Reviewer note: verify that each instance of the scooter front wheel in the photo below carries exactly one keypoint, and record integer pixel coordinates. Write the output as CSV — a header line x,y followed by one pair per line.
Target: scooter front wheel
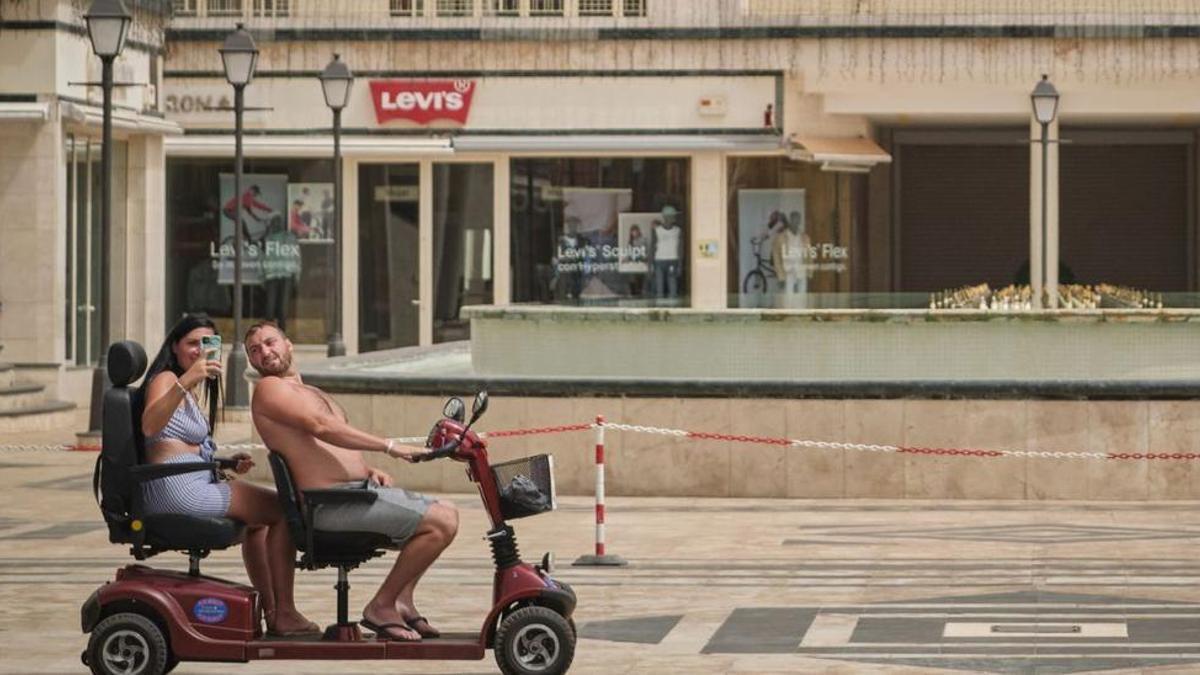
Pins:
x,y
127,644
534,641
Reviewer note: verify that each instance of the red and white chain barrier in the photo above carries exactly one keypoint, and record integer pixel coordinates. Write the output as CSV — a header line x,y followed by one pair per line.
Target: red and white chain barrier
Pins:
x,y
602,557
734,438
902,449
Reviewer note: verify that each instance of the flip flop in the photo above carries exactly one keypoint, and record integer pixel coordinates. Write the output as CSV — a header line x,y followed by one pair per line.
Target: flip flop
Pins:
x,y
429,632
381,632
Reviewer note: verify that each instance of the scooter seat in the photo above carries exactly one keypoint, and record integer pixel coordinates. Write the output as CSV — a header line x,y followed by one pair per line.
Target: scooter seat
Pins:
x,y
332,547
176,531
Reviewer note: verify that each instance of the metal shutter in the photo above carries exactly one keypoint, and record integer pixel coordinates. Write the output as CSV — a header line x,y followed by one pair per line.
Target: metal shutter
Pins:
x,y
1124,215
964,215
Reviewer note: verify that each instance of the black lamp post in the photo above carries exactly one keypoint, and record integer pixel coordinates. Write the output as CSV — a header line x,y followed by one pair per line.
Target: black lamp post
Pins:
x,y
239,56
108,25
1045,109
336,80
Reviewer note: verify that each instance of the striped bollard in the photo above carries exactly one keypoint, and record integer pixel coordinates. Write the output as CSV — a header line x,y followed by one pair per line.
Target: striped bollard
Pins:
x,y
600,558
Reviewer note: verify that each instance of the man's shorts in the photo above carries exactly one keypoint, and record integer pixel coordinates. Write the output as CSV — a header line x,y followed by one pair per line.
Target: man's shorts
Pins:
x,y
396,513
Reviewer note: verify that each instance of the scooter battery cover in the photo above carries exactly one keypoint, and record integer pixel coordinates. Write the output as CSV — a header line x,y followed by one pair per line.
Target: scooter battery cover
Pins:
x,y
526,486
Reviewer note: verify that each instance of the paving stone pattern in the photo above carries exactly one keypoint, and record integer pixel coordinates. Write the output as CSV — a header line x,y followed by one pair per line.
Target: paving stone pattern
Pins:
x,y
714,586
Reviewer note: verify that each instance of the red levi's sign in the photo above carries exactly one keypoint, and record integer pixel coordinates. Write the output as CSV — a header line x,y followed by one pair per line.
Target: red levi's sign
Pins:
x,y
422,101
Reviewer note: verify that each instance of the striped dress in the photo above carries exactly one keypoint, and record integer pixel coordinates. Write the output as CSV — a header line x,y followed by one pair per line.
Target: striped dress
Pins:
x,y
197,493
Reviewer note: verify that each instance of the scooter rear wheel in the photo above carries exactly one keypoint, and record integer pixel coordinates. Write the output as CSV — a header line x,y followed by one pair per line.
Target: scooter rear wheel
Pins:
x,y
534,641
127,644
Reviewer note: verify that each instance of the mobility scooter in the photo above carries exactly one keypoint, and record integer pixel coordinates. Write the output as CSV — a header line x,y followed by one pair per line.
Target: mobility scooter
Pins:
x,y
146,621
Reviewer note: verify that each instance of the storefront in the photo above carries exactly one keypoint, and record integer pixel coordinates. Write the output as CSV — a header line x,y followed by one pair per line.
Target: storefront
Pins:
x,y
455,197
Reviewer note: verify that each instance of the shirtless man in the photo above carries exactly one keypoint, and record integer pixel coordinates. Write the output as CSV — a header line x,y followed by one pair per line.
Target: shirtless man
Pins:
x,y
311,431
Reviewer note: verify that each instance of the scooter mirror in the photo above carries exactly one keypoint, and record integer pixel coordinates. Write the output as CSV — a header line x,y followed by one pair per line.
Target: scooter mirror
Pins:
x,y
454,409
480,405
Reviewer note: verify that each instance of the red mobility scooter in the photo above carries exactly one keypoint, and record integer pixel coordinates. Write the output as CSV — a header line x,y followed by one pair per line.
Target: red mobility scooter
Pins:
x,y
147,620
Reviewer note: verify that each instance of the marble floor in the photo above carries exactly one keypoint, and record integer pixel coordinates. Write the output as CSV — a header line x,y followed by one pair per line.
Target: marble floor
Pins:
x,y
713,586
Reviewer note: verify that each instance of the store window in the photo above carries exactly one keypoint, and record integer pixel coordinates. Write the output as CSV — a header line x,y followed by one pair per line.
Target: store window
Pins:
x,y
388,256
793,235
462,245
285,212
600,231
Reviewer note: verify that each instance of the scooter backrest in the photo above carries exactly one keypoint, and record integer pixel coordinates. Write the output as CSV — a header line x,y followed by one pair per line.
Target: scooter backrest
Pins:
x,y
289,498
120,437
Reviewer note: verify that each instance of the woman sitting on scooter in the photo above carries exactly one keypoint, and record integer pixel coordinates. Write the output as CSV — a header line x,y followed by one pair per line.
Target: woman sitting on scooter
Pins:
x,y
176,431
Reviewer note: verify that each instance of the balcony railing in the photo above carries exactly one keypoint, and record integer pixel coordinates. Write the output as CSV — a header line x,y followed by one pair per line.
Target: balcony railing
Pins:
x,y
361,9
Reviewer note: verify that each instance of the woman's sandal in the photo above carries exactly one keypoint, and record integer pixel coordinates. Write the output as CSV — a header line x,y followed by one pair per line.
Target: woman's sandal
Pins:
x,y
381,630
311,630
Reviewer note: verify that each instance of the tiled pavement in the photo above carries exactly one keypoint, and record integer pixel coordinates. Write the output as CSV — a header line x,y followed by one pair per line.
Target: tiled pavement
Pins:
x,y
715,586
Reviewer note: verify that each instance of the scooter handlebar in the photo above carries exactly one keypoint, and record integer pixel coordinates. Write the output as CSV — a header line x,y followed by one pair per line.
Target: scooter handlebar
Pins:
x,y
444,451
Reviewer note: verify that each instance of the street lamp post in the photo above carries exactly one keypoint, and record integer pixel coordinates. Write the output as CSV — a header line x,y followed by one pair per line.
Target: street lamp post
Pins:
x,y
1045,109
108,26
239,55
336,80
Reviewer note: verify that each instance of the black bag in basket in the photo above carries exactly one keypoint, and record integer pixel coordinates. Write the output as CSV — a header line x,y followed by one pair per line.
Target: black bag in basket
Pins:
x,y
521,497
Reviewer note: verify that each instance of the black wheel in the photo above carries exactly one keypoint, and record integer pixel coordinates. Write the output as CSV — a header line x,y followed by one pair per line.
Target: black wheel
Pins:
x,y
756,282
534,641
127,644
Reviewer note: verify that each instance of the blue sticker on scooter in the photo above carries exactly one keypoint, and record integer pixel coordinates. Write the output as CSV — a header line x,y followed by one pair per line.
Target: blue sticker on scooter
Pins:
x,y
210,610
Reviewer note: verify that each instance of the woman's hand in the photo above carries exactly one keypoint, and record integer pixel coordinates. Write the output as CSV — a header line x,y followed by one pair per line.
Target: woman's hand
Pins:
x,y
379,477
244,462
201,370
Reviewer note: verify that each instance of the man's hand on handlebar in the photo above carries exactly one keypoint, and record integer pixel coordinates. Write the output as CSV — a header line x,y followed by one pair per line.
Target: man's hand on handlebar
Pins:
x,y
408,453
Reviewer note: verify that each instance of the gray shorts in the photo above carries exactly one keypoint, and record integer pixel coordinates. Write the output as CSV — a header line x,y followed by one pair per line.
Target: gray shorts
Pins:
x,y
396,513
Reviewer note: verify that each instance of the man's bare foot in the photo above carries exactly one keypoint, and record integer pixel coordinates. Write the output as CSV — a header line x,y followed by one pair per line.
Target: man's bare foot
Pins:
x,y
388,623
419,623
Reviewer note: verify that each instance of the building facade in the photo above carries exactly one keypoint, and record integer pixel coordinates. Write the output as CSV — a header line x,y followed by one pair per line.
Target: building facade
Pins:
x,y
740,154
50,134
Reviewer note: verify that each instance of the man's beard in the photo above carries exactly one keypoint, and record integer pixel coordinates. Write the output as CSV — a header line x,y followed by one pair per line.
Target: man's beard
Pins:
x,y
278,368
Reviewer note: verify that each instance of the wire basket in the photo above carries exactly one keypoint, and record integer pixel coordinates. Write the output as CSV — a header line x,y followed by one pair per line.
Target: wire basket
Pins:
x,y
526,486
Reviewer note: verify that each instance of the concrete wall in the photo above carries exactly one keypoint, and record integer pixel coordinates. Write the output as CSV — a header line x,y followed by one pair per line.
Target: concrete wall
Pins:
x,y
652,465
835,345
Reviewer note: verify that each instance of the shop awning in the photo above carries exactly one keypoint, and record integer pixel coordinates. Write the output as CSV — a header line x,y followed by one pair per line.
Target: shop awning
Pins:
x,y
847,155
122,118
304,146
15,111
618,143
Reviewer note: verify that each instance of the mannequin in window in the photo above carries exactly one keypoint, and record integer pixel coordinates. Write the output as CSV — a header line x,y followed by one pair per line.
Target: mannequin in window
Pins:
x,y
568,261
667,241
280,269
789,254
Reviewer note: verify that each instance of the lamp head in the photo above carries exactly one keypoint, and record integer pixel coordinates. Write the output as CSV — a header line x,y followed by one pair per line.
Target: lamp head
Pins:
x,y
108,26
1045,101
239,54
335,83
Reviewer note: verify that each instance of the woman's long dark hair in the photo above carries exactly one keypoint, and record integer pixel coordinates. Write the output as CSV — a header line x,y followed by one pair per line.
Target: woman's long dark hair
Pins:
x,y
165,360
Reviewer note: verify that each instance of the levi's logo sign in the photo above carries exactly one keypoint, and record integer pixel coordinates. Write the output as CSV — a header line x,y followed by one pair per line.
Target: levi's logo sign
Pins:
x,y
422,101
